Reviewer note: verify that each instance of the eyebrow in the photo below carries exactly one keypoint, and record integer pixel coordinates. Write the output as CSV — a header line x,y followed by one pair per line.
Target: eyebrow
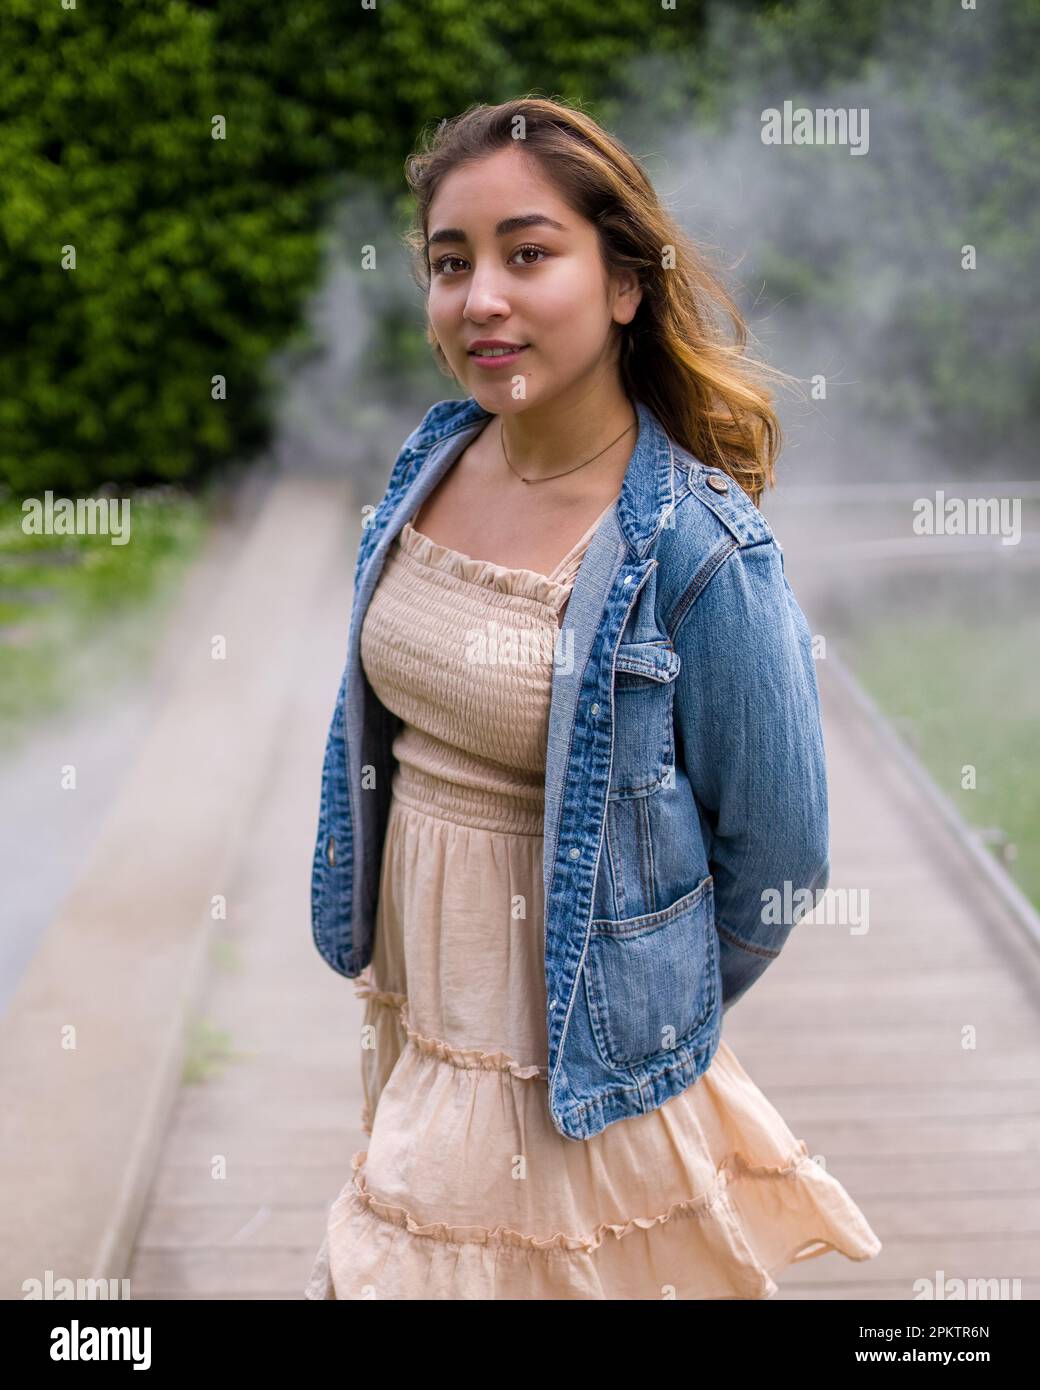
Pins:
x,y
503,228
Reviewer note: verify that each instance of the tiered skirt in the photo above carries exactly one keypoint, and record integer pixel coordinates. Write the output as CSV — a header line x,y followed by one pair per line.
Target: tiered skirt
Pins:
x,y
467,1191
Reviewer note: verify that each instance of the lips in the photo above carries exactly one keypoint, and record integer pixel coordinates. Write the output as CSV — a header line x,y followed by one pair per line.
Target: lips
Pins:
x,y
497,361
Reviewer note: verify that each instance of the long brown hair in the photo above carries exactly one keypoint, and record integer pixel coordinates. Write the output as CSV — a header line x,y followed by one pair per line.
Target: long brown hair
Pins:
x,y
677,356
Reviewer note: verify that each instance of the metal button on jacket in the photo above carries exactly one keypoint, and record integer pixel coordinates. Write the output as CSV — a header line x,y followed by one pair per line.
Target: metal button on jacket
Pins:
x,y
719,484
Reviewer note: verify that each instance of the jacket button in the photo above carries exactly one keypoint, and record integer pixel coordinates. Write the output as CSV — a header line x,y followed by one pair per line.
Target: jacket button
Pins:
x,y
332,850
594,709
718,483
552,1004
574,853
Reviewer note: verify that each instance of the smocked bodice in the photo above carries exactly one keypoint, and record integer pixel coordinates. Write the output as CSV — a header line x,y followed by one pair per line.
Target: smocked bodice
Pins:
x,y
463,651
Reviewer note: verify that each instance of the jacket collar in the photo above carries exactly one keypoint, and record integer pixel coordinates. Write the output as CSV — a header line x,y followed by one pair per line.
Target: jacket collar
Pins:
x,y
651,484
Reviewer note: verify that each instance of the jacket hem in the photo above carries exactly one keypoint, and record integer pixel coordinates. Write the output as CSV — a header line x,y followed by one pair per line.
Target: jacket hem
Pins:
x,y
584,1119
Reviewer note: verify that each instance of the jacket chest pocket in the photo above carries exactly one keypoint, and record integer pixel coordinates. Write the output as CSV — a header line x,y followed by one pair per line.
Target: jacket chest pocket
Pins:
x,y
644,731
652,981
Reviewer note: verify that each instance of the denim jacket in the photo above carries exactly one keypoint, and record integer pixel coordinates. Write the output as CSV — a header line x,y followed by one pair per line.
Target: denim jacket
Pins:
x,y
685,793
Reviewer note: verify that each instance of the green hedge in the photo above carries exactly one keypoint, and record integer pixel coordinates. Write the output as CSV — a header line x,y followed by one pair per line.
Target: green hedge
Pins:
x,y
193,256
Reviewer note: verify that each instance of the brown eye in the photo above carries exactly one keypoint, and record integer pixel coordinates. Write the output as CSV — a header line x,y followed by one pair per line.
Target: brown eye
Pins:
x,y
438,265
537,249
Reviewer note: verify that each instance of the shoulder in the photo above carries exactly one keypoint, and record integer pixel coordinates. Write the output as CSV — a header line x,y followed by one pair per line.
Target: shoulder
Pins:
x,y
710,503
718,541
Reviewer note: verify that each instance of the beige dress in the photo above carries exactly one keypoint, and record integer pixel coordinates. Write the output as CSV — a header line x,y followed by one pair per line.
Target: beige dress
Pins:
x,y
466,1190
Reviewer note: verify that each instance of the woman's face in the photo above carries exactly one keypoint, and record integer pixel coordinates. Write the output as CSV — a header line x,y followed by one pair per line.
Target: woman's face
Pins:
x,y
540,286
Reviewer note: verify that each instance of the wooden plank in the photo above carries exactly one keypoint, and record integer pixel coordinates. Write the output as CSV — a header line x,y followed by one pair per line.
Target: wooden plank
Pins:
x,y
937,1065
967,1103
922,1256
939,1137
233,1224
869,1177
229,1271
238,1145
291,1184
1011,1216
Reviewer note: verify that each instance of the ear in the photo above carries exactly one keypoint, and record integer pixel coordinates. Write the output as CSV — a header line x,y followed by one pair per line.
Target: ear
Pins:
x,y
628,294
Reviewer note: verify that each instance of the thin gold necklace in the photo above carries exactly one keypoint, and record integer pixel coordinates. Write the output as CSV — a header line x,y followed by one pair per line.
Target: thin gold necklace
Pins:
x,y
502,441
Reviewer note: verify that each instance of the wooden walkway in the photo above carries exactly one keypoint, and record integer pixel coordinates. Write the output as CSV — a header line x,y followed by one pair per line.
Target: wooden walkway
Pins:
x,y
906,1056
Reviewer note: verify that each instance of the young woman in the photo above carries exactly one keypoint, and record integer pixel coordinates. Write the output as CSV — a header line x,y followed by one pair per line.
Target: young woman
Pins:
x,y
576,746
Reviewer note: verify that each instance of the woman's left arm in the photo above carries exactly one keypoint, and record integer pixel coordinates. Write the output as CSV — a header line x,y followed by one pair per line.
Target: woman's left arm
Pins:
x,y
747,713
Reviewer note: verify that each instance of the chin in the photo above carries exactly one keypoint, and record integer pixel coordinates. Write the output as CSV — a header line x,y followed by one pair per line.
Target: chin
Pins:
x,y
498,398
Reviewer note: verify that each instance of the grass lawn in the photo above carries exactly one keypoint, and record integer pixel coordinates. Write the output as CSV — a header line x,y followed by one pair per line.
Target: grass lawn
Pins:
x,y
952,661
77,612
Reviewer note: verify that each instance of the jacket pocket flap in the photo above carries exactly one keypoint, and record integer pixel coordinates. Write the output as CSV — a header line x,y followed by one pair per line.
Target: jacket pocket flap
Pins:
x,y
651,659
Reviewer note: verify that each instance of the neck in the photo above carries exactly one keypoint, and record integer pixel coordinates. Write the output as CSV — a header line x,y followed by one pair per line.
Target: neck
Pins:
x,y
544,441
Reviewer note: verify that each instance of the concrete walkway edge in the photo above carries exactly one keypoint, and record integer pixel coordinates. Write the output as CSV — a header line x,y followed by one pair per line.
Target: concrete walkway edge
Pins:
x,y
122,962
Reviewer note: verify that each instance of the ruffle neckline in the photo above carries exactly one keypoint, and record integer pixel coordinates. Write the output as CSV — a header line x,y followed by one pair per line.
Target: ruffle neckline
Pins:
x,y
486,573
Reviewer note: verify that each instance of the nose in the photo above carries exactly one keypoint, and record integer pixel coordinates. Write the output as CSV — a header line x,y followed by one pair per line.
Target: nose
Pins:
x,y
486,298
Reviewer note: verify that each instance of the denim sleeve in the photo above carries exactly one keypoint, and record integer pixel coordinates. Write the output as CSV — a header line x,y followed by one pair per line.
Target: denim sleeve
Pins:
x,y
748,718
